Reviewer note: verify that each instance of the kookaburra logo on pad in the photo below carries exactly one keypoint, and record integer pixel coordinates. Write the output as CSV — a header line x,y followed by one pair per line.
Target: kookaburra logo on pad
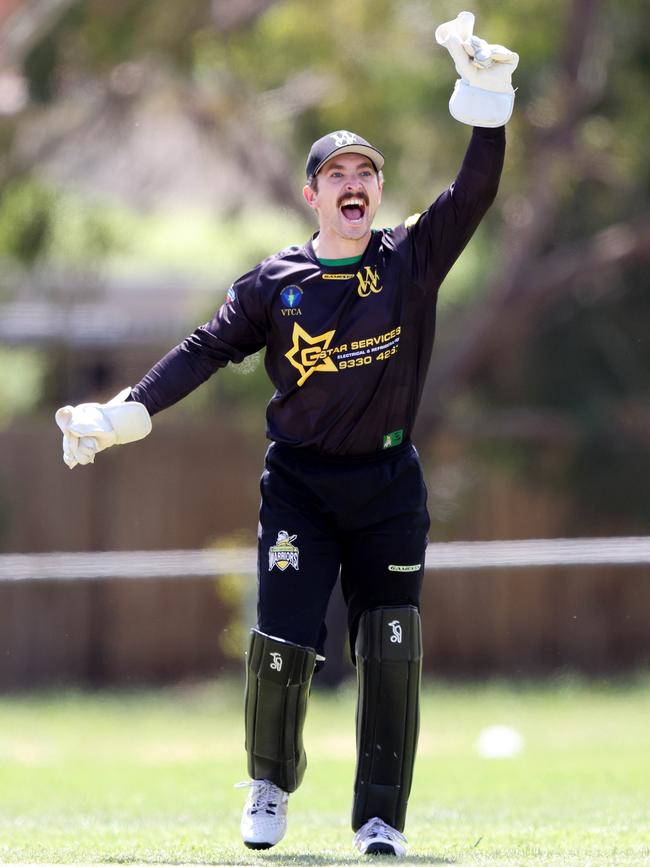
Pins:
x,y
343,137
284,554
396,637
276,661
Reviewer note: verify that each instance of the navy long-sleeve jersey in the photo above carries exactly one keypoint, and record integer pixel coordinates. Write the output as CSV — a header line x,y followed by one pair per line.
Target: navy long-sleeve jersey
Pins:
x,y
347,344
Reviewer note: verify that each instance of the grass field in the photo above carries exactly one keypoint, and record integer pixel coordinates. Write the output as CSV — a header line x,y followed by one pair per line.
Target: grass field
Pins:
x,y
147,777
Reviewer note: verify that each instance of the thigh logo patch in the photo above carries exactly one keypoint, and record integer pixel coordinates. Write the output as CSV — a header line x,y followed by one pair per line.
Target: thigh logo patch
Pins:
x,y
276,661
284,554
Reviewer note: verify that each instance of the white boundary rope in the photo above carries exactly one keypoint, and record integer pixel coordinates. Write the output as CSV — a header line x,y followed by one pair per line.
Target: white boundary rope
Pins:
x,y
75,566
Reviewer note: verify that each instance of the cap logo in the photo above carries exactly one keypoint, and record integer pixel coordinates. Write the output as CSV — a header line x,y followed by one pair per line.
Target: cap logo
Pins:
x,y
343,137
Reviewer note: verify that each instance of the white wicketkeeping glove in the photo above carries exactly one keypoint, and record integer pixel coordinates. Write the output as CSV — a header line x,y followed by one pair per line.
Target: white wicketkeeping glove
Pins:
x,y
92,427
483,95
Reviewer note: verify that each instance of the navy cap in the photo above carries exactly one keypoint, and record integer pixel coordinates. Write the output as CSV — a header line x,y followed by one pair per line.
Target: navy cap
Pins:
x,y
340,142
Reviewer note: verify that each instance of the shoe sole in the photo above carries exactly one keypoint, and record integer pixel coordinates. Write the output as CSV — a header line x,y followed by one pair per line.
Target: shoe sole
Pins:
x,y
380,849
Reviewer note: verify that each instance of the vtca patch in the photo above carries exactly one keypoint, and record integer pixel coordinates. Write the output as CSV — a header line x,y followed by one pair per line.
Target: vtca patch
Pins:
x,y
291,296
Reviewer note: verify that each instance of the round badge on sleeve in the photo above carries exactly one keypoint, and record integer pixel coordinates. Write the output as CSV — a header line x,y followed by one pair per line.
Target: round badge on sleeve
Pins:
x,y
291,296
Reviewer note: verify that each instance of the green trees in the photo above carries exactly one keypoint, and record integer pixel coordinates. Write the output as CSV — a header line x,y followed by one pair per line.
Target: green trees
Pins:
x,y
155,107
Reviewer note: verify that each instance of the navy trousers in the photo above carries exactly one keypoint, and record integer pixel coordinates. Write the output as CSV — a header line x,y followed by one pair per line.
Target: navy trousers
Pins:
x,y
364,518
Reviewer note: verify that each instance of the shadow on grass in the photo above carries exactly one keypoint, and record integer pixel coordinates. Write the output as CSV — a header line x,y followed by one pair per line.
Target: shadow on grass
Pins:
x,y
293,859
324,859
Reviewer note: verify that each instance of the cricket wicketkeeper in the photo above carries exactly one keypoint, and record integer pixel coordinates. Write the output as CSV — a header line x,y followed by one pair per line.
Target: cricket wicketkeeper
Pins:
x,y
348,322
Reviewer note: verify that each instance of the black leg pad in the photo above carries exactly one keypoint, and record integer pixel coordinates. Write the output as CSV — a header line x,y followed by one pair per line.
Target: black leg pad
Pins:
x,y
389,666
278,678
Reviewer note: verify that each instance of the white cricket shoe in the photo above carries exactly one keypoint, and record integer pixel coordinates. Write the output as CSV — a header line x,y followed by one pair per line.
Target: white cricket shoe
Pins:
x,y
264,820
378,838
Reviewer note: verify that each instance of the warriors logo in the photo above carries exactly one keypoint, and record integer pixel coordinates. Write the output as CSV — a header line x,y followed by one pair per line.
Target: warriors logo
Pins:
x,y
283,554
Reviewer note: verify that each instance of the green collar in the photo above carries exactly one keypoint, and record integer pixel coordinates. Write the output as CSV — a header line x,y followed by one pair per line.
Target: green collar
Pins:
x,y
334,262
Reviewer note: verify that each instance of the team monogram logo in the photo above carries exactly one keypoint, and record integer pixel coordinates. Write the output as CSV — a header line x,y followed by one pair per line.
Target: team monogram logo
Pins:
x,y
283,554
368,282
396,637
276,661
343,137
309,354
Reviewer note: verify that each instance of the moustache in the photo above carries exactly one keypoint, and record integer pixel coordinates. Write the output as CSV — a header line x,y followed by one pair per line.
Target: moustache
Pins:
x,y
343,199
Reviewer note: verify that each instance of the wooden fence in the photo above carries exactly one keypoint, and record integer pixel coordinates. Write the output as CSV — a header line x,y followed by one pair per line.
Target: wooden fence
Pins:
x,y
189,486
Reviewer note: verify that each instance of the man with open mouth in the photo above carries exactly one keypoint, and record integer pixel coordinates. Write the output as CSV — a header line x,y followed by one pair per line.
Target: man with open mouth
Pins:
x,y
347,320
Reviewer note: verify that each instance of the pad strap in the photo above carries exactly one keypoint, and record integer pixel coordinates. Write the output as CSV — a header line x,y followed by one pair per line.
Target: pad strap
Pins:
x,y
278,679
389,664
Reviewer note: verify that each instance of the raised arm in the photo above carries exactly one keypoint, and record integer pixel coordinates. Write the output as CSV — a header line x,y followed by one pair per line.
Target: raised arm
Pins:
x,y
483,98
433,240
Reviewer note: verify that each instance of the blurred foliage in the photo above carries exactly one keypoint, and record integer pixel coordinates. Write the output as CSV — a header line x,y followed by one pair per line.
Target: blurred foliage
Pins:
x,y
590,360
236,593
39,220
21,383
185,241
276,75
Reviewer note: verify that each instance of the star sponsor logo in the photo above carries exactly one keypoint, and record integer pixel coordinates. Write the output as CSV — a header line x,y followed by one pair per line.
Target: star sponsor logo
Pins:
x,y
368,282
310,354
284,553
